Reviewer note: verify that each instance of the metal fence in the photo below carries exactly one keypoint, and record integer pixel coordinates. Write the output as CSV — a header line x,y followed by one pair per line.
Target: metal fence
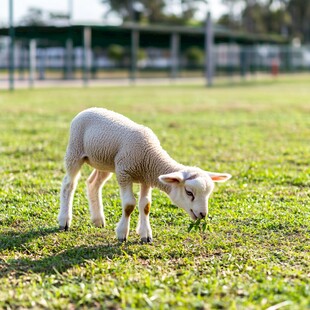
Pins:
x,y
274,59
37,61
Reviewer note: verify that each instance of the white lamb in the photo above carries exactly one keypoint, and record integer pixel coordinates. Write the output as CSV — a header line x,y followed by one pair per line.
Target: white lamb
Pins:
x,y
110,142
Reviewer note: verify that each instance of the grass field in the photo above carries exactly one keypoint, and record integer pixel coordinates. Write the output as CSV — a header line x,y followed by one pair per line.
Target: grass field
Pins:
x,y
255,252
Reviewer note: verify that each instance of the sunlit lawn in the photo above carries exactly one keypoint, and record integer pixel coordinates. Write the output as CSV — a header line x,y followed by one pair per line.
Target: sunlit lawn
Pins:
x,y
255,252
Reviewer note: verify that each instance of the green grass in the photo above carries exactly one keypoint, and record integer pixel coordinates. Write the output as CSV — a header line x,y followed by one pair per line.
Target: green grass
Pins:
x,y
255,252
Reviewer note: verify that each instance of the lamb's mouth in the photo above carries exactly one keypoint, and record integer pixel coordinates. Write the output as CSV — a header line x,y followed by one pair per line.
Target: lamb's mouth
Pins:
x,y
193,215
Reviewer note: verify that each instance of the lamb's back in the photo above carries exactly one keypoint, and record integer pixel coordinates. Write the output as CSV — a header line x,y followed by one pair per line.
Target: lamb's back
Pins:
x,y
103,135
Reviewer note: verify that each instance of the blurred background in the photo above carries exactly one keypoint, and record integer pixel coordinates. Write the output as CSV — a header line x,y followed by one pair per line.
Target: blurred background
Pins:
x,y
110,40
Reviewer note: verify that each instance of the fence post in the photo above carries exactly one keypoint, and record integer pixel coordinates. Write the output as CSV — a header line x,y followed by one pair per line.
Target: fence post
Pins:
x,y
243,62
134,54
86,54
175,43
41,66
209,60
32,61
11,48
69,60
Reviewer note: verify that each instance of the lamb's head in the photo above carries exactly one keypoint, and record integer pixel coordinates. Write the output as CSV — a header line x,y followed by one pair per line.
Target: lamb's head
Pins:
x,y
190,189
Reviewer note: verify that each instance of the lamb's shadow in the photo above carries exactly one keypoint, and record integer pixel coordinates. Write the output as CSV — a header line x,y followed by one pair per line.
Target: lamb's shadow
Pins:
x,y
13,240
51,264
60,262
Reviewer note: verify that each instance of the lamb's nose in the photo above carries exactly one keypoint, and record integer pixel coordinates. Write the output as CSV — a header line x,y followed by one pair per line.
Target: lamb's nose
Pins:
x,y
202,215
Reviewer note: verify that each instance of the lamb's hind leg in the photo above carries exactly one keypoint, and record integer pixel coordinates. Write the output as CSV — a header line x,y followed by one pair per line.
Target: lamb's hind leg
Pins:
x,y
144,227
66,194
95,183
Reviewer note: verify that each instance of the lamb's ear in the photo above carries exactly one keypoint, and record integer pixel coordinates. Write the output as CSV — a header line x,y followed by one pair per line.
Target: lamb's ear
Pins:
x,y
219,177
170,178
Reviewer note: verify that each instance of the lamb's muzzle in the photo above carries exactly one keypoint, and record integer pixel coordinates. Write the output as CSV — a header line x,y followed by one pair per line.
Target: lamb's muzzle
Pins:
x,y
111,143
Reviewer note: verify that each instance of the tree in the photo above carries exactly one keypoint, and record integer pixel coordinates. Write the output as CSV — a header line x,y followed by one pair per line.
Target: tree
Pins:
x,y
33,17
38,17
127,9
155,11
299,11
269,16
258,16
228,21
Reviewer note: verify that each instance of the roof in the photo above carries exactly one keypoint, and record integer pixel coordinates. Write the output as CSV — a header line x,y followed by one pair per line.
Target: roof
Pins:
x,y
150,35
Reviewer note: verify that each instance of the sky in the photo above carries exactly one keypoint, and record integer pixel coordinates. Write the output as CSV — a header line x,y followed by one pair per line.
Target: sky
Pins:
x,y
83,10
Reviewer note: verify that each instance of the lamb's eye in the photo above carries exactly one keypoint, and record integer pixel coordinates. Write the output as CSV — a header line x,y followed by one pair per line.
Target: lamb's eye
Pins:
x,y
190,194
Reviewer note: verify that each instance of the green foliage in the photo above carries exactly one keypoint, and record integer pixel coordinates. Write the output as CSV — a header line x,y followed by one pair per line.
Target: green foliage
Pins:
x,y
287,17
141,54
116,52
254,253
159,11
194,56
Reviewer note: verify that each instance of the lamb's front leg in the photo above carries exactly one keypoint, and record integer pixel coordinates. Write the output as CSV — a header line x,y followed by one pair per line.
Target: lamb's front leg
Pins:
x,y
144,227
128,204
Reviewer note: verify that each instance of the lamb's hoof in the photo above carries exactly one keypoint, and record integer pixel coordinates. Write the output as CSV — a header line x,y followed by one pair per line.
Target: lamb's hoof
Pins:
x,y
64,228
99,223
146,240
122,240
100,226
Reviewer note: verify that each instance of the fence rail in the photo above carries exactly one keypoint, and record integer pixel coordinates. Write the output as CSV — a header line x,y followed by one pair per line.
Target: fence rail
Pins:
x,y
35,61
